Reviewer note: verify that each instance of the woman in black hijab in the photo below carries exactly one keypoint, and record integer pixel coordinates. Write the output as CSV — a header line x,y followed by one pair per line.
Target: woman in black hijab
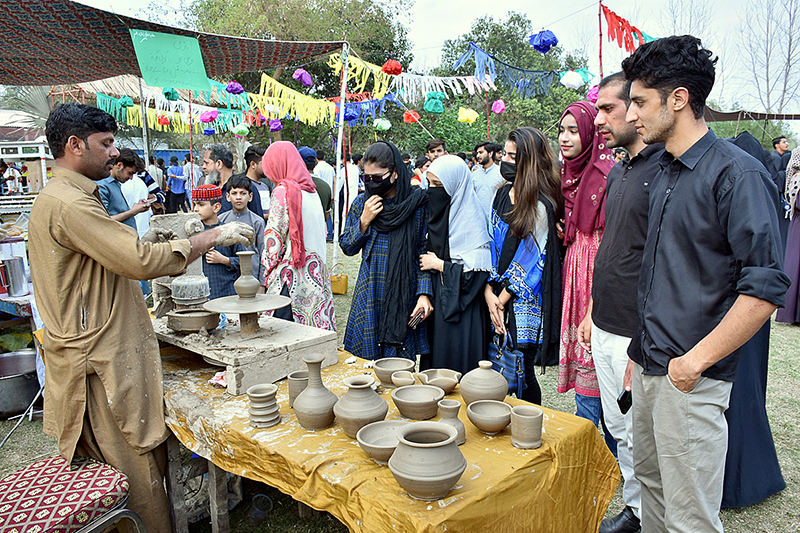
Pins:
x,y
387,224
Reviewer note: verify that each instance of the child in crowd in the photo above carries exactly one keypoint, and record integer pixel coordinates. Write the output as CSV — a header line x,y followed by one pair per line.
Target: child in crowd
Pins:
x,y
240,192
220,264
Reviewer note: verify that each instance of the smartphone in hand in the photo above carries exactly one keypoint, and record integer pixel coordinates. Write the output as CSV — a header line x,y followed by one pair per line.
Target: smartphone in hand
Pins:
x,y
625,401
416,319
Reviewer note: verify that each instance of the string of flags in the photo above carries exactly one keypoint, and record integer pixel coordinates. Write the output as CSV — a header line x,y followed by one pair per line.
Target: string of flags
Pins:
x,y
622,31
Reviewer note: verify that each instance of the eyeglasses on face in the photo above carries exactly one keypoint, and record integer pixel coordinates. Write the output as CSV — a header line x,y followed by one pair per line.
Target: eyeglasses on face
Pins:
x,y
377,178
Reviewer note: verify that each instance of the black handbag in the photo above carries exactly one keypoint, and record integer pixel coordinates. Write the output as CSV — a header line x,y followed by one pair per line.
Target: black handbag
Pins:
x,y
509,361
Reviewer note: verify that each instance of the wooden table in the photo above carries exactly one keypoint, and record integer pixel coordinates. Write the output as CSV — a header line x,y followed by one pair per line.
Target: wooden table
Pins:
x,y
566,485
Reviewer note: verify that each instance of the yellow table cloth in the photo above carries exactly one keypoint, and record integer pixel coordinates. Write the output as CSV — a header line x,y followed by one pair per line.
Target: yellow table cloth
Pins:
x,y
564,486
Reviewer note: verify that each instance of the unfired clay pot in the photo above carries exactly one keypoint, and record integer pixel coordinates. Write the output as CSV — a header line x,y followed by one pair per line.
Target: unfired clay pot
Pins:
x,y
384,368
490,416
449,410
440,377
379,439
403,378
314,406
247,285
427,461
418,402
264,411
483,383
360,405
296,383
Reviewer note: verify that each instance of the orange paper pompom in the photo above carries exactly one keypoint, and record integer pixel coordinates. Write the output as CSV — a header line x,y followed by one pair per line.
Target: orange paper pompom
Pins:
x,y
410,116
392,67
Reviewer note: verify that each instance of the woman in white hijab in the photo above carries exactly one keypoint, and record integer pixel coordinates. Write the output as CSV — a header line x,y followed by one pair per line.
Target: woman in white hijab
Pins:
x,y
460,256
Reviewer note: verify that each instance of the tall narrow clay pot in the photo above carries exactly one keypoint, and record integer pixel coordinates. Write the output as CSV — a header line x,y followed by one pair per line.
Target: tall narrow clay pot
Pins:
x,y
483,383
314,406
359,406
247,285
449,410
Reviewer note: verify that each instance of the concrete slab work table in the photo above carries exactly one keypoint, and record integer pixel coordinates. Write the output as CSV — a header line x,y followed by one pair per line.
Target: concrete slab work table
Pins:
x,y
566,485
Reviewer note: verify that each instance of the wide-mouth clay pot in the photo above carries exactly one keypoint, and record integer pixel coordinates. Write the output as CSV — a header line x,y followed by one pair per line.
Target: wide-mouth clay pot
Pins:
x,y
384,368
440,377
427,461
418,402
379,439
489,416
402,378
191,320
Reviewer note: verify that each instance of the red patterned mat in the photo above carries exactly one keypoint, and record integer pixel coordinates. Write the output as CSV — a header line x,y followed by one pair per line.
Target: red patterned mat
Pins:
x,y
52,496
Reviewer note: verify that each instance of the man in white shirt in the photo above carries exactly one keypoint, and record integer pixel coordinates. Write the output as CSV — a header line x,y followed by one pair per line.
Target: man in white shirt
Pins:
x,y
486,175
155,172
323,170
11,177
350,174
192,173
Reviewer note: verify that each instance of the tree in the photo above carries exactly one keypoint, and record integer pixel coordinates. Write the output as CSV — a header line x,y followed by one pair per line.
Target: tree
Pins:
x,y
771,42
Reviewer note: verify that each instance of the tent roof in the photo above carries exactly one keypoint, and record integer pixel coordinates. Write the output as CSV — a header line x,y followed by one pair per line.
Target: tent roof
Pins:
x,y
53,42
712,115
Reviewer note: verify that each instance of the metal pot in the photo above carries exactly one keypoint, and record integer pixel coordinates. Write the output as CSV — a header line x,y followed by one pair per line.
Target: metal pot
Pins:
x,y
18,382
12,276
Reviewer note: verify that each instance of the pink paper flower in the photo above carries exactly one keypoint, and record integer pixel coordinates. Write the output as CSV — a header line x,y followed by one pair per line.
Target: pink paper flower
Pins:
x,y
592,95
498,106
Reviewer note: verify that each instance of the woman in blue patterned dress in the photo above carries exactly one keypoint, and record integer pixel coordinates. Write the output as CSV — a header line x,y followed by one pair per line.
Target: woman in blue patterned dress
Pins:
x,y
387,224
524,290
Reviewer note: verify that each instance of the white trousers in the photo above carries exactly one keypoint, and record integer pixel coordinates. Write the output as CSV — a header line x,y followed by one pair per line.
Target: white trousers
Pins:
x,y
610,354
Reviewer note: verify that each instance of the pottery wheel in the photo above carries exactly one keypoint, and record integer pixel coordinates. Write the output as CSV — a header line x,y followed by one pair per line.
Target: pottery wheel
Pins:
x,y
238,306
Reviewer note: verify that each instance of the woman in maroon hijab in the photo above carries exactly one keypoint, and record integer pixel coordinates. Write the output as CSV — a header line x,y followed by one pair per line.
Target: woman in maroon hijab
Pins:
x,y
586,164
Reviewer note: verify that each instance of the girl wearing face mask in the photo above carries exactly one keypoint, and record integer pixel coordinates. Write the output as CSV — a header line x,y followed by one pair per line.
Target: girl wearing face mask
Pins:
x,y
387,224
459,259
587,162
524,290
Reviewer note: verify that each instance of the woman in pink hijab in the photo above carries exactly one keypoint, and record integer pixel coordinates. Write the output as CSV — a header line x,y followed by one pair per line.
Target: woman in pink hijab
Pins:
x,y
294,240
586,164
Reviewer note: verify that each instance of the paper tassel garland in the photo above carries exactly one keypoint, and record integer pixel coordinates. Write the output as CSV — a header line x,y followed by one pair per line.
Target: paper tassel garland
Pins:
x,y
525,83
498,106
392,67
234,87
543,41
303,77
467,115
434,103
410,116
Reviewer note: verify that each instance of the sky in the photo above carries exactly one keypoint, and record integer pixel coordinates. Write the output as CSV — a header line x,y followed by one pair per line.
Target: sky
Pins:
x,y
574,23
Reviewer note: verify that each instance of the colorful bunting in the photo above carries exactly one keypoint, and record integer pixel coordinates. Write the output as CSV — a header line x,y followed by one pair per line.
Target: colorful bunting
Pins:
x,y
365,110
360,72
525,83
543,41
620,30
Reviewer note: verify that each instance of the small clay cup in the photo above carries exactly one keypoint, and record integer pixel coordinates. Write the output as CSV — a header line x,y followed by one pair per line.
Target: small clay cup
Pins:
x,y
297,380
526,426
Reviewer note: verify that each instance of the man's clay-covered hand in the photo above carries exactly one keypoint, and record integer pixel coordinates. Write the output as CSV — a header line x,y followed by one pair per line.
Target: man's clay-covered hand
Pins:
x,y
156,235
235,233
193,227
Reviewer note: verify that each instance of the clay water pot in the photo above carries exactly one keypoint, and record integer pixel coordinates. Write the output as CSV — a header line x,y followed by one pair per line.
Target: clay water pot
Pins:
x,y
314,406
440,377
296,383
526,426
247,285
264,411
483,383
359,406
449,411
490,416
384,368
418,402
427,461
402,378
379,439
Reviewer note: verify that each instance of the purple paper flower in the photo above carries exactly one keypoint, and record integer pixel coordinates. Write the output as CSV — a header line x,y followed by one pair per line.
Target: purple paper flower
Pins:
x,y
303,77
275,124
234,87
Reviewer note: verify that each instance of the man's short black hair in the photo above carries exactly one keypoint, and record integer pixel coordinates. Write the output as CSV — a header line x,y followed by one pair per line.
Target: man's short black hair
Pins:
x,y
80,120
671,62
433,144
357,158
486,145
240,181
406,157
320,155
127,157
187,157
160,161
777,141
625,86
421,160
310,165
497,148
462,155
253,154
152,160
220,152
173,160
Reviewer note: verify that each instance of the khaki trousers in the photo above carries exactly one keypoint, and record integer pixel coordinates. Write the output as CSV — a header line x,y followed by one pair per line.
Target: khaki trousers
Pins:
x,y
101,439
679,446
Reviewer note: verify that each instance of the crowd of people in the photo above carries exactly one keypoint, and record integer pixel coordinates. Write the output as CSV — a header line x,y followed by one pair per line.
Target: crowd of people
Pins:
x,y
645,260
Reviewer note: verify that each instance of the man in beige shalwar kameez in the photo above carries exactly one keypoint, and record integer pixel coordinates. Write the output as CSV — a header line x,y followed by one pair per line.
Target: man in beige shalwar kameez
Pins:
x,y
103,390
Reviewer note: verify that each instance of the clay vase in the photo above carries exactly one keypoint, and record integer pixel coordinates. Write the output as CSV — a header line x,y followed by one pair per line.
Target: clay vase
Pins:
x,y
483,383
314,406
427,461
264,411
247,285
297,382
360,405
449,410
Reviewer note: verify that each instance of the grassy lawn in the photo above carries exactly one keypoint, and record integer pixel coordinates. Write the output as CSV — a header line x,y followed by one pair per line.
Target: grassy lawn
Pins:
x,y
780,513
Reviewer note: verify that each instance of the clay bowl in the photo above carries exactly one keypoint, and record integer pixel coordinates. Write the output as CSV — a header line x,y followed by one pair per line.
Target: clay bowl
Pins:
x,y
418,402
379,439
440,377
401,378
191,320
490,416
384,368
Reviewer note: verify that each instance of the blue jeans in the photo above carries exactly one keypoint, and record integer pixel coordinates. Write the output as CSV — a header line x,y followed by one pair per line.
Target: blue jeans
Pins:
x,y
591,409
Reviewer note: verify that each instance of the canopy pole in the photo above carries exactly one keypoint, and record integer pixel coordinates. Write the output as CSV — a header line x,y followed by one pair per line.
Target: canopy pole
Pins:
x,y
191,144
339,147
600,26
146,150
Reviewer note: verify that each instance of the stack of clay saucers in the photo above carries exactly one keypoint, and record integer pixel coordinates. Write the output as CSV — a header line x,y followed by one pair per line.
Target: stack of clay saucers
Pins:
x,y
264,410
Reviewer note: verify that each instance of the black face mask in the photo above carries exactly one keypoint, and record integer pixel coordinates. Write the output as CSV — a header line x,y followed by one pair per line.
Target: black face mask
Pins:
x,y
438,222
508,171
381,188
